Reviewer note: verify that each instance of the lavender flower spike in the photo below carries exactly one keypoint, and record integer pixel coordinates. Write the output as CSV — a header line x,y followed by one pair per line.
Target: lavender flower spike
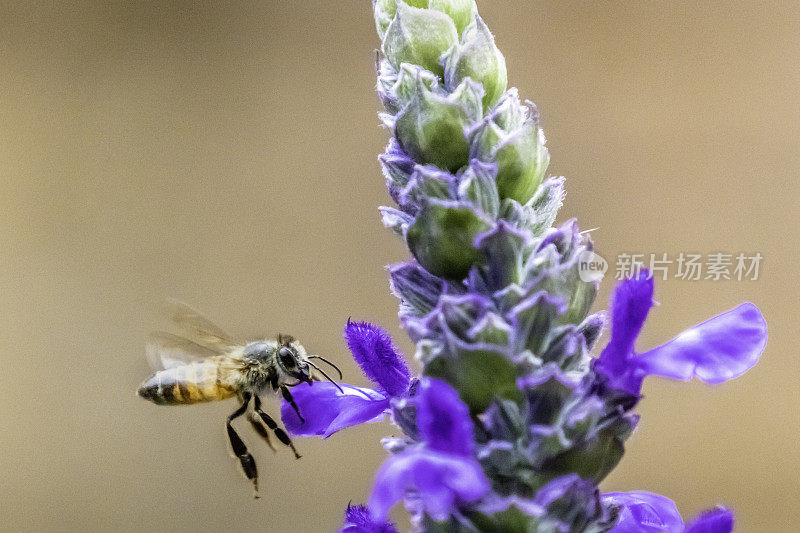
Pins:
x,y
512,423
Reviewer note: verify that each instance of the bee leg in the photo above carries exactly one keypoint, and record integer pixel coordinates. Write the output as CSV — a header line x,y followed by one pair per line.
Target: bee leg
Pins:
x,y
260,429
279,432
288,397
239,448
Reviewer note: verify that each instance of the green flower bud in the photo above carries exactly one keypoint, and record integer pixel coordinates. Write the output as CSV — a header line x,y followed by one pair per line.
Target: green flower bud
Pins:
x,y
522,160
469,96
485,139
384,11
432,128
581,302
442,239
505,250
477,185
520,155
420,37
544,206
593,460
509,114
461,11
427,182
408,78
477,57
480,376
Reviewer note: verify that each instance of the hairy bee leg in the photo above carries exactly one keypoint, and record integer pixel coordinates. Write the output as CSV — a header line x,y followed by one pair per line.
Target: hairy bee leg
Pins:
x,y
260,429
279,432
239,447
288,397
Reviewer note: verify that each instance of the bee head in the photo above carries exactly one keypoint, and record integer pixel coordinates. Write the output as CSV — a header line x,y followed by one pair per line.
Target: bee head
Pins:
x,y
292,359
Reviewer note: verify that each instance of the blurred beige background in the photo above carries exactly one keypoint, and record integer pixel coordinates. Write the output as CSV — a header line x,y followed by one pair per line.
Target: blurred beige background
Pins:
x,y
224,154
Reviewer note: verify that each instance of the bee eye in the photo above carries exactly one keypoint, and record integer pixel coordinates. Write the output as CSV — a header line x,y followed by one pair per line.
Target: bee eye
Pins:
x,y
286,357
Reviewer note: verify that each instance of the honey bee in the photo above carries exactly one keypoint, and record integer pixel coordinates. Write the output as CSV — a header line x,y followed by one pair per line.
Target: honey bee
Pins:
x,y
207,365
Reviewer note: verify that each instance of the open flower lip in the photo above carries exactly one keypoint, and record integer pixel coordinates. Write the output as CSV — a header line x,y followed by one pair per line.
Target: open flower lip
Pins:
x,y
326,409
716,350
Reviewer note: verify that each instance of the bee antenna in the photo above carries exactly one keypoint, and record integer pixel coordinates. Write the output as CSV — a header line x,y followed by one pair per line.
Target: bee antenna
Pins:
x,y
325,360
326,376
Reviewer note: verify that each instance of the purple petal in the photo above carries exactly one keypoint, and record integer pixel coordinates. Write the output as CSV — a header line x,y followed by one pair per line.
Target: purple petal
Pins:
x,y
326,410
631,303
439,480
357,519
719,349
644,512
443,419
374,352
718,520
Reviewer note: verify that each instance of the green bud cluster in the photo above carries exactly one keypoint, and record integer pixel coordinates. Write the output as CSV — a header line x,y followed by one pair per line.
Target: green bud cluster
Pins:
x,y
443,83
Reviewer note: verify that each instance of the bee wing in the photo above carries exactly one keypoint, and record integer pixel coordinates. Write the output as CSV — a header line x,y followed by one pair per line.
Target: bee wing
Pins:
x,y
200,329
165,350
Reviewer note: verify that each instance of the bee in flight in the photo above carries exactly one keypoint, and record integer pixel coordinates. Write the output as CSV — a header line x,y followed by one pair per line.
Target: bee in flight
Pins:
x,y
206,365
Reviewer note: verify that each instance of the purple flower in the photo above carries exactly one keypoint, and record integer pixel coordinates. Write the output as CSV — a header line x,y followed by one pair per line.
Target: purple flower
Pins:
x,y
327,409
357,519
440,472
645,512
719,349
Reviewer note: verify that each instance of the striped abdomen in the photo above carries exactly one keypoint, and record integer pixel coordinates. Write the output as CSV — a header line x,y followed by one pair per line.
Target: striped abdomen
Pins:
x,y
198,382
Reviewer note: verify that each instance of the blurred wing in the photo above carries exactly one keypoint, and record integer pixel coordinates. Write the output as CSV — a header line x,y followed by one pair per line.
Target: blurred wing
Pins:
x,y
165,350
200,329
